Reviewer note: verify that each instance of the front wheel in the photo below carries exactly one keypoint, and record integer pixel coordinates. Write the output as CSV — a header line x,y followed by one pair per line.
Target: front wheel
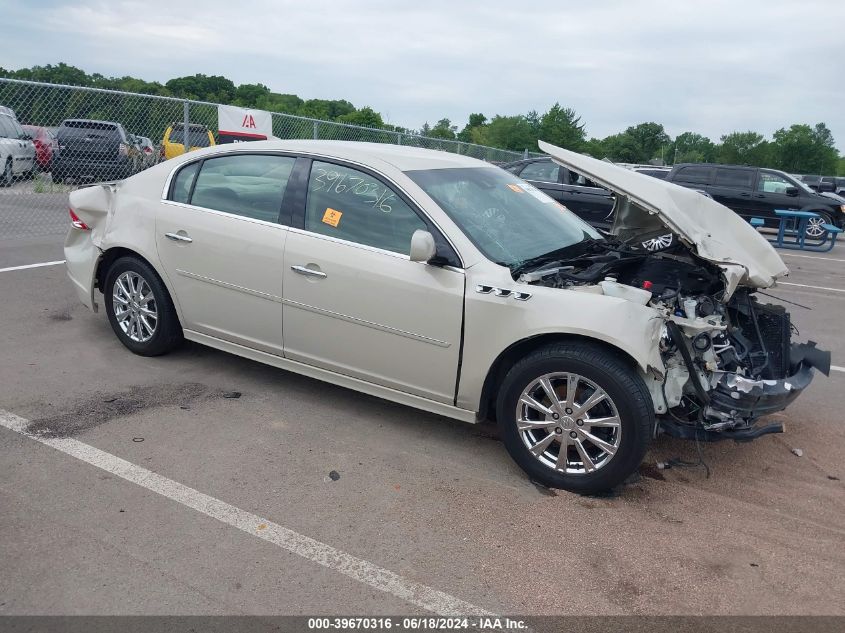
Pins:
x,y
575,416
814,229
139,308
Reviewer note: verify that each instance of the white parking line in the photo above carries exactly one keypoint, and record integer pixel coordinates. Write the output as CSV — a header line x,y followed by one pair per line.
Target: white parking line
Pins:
x,y
836,368
359,569
11,268
827,259
785,283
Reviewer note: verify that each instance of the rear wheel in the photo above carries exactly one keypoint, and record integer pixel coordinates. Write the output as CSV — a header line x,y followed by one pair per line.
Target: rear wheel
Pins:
x,y
139,308
575,416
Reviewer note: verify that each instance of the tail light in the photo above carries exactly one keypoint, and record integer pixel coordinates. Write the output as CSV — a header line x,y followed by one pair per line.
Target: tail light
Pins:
x,y
123,149
76,223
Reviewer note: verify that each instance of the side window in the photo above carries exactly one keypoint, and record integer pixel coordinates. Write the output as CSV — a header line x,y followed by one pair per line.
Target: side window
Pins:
x,y
5,127
735,178
695,174
544,171
772,183
352,205
581,181
181,188
249,185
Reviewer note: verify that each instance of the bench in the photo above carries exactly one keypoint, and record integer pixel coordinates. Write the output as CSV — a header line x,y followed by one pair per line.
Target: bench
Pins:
x,y
793,225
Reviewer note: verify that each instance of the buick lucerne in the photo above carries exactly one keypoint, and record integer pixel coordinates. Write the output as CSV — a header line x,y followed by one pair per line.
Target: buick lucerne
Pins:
x,y
444,283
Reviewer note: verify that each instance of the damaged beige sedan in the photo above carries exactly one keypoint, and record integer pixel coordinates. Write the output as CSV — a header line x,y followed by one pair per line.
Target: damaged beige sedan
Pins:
x,y
444,283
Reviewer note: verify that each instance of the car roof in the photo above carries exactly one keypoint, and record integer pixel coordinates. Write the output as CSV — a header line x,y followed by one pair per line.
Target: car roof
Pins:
x,y
401,157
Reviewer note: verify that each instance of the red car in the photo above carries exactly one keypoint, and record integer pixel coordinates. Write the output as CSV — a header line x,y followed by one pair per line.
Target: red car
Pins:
x,y
46,145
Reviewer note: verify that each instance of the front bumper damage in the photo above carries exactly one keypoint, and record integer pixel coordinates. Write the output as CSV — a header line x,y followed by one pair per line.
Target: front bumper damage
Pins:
x,y
736,402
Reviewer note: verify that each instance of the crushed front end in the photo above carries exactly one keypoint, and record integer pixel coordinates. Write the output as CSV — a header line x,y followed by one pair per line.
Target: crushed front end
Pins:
x,y
728,358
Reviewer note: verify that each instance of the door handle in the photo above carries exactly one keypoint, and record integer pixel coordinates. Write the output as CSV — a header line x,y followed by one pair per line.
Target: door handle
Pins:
x,y
308,272
760,195
176,237
745,195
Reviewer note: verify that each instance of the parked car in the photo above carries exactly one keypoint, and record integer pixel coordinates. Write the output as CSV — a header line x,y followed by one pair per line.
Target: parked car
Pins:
x,y
655,172
46,145
438,281
578,194
756,192
17,151
94,150
173,143
825,184
149,156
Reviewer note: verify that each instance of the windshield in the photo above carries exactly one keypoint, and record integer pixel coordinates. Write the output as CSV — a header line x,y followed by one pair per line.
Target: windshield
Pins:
x,y
198,136
508,220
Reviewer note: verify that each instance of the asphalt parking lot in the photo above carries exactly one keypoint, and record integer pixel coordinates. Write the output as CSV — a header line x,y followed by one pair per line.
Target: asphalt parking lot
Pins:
x,y
298,497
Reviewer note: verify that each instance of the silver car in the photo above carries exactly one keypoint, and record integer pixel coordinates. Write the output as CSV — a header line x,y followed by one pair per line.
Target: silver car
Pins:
x,y
444,283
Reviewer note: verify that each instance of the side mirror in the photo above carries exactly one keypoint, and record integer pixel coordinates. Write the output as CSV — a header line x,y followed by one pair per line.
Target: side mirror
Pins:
x,y
423,247
792,191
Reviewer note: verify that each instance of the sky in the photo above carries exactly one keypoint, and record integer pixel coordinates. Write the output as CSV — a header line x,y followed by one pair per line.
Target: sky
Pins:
x,y
707,66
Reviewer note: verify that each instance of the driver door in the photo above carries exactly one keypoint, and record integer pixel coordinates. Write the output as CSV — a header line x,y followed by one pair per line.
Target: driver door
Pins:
x,y
354,303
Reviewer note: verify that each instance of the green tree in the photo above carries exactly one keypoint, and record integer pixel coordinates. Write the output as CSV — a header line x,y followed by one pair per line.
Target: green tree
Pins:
x,y
744,148
212,88
805,149
366,117
691,147
511,132
443,129
562,127
476,121
248,95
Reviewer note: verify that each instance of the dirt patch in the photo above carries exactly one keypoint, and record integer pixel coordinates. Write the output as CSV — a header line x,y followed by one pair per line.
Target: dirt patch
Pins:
x,y
101,408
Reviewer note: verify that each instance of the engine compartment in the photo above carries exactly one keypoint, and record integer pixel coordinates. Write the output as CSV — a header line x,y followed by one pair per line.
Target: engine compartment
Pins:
x,y
728,360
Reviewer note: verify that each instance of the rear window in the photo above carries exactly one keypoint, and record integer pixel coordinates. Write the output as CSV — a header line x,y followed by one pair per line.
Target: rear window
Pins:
x,y
695,174
736,178
198,136
90,125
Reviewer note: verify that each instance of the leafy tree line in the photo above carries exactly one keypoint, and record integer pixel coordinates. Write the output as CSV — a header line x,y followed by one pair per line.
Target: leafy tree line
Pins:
x,y
800,148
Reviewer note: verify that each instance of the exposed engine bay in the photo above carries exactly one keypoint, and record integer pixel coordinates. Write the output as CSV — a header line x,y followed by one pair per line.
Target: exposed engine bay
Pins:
x,y
728,357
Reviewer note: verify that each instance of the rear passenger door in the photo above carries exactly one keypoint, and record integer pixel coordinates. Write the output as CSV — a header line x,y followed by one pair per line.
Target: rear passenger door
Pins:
x,y
733,187
593,203
221,241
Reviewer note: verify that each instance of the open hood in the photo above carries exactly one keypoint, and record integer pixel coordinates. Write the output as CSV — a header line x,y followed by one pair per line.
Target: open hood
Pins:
x,y
718,234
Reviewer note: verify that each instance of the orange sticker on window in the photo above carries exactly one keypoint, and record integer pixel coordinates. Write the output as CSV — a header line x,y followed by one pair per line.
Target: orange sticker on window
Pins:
x,y
516,188
332,217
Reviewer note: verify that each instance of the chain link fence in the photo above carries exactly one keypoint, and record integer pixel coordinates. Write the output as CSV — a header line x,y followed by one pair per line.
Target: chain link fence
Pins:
x,y
84,135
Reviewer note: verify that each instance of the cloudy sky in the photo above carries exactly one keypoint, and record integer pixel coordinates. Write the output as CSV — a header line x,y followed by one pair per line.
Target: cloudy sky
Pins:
x,y
709,66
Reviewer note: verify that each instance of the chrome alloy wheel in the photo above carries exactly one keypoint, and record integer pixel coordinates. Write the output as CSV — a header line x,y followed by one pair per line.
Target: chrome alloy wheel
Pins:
x,y
135,307
815,228
568,423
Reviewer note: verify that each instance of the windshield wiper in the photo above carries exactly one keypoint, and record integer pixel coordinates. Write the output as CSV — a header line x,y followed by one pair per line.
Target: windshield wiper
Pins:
x,y
549,257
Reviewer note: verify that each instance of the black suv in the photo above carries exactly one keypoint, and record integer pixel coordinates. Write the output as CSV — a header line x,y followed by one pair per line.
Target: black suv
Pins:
x,y
94,150
578,194
756,192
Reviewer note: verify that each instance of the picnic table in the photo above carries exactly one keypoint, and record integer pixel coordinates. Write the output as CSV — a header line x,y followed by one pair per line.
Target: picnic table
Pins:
x,y
792,231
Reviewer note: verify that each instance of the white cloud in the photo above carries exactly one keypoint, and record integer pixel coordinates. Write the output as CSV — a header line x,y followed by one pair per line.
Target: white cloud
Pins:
x,y
710,66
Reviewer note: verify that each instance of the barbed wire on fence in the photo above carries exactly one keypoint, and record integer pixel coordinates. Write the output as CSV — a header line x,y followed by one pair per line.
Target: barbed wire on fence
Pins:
x,y
111,134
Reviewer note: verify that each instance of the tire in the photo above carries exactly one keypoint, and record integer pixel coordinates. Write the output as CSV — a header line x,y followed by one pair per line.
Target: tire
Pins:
x,y
814,229
7,178
144,334
627,401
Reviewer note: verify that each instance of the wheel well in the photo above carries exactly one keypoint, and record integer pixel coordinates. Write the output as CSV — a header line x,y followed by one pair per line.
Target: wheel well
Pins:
x,y
520,349
111,256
